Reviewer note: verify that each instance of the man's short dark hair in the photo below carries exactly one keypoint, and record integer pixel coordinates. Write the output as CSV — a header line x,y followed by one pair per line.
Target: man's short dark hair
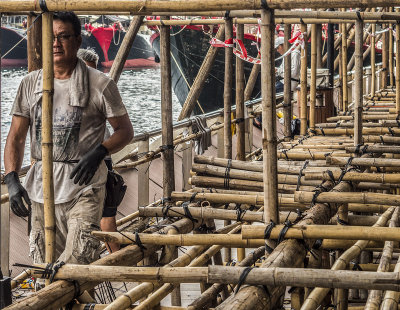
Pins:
x,y
69,17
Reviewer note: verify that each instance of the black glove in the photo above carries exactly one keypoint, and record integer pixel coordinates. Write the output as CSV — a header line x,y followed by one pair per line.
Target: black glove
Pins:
x,y
88,165
16,191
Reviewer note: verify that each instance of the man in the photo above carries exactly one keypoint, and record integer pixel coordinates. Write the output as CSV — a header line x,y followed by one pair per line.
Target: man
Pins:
x,y
280,72
108,221
83,100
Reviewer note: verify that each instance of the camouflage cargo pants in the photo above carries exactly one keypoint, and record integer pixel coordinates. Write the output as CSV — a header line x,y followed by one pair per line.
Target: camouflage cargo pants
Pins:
x,y
74,221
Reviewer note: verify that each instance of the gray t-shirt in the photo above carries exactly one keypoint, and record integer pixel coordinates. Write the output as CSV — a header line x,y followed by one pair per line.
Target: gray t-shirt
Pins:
x,y
81,106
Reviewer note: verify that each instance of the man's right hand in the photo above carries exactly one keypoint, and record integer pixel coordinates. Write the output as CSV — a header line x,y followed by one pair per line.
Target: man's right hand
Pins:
x,y
16,191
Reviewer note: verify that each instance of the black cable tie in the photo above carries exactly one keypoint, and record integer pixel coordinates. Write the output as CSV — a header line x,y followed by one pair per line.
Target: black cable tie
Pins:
x,y
331,176
77,289
391,131
357,267
227,14
188,214
322,130
313,131
358,146
301,174
285,153
239,213
56,267
284,230
239,120
317,244
381,137
267,234
398,118
301,21
364,149
243,276
342,222
264,4
43,5
167,147
226,177
89,307
165,210
192,197
139,242
359,16
299,215
314,198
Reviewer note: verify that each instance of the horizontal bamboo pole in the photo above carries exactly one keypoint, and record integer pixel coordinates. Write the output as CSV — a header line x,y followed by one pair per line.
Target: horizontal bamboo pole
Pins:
x,y
298,155
355,176
365,131
376,149
349,197
364,162
324,232
370,117
299,277
274,276
142,6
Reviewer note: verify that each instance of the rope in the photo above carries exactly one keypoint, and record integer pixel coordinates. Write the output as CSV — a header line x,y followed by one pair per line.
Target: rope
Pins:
x,y
243,276
301,174
226,176
267,234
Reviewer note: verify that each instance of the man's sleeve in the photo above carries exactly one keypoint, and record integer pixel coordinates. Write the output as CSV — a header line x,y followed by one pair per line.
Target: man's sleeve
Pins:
x,y
21,105
281,69
296,65
113,105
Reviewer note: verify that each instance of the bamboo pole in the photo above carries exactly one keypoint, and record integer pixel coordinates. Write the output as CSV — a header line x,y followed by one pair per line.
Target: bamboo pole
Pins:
x,y
358,80
317,295
303,83
204,71
375,296
240,126
391,298
166,111
268,117
255,71
151,6
313,87
287,96
344,68
365,131
228,77
355,176
34,42
126,45
391,82
365,162
397,65
385,60
47,139
350,197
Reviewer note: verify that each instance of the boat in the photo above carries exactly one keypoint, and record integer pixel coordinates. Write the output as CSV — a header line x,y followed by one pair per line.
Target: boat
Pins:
x,y
189,45
13,46
106,38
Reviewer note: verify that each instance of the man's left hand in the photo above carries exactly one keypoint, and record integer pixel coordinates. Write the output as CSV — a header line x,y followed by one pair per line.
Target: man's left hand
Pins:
x,y
88,165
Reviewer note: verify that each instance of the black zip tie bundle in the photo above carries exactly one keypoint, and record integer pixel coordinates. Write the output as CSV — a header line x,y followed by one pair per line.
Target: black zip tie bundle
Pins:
x,y
192,197
167,147
242,278
165,210
356,266
89,307
231,262
43,5
252,208
342,222
382,141
188,214
139,243
398,120
284,230
317,244
264,4
284,152
301,174
359,16
315,196
239,213
331,176
358,146
299,215
227,14
48,272
226,177
345,170
267,234
312,131
391,131
164,200
239,120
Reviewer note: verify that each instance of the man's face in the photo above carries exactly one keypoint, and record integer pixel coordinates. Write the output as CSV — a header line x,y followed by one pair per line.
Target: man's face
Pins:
x,y
280,49
66,43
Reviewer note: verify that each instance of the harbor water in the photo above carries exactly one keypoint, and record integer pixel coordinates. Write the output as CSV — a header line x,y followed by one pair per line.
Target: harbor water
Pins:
x,y
140,91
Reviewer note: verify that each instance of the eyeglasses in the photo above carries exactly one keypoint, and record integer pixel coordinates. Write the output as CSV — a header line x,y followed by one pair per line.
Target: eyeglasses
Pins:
x,y
62,37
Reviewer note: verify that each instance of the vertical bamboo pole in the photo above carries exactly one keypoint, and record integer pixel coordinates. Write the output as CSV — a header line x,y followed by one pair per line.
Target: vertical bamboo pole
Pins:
x,y
240,127
166,111
34,42
126,45
391,81
228,90
398,66
358,83
228,81
373,57
385,60
344,68
143,176
269,117
330,52
303,83
255,71
287,94
340,99
47,137
313,89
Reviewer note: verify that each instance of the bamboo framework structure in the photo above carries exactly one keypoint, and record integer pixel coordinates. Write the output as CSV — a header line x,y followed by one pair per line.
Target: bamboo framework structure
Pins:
x,y
321,200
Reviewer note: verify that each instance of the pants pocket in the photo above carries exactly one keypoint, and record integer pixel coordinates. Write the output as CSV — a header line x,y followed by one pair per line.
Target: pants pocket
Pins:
x,y
86,247
36,246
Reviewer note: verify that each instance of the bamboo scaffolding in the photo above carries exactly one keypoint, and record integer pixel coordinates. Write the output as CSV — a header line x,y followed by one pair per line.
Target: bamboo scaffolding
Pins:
x,y
47,139
239,98
313,88
316,296
397,66
358,80
373,58
355,176
228,91
363,162
344,67
287,111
